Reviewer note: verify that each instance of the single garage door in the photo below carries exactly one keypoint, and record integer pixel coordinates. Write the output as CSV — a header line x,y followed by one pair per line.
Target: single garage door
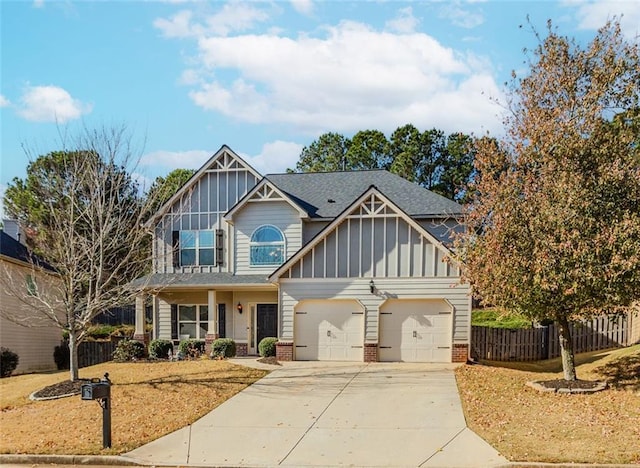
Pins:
x,y
415,331
329,330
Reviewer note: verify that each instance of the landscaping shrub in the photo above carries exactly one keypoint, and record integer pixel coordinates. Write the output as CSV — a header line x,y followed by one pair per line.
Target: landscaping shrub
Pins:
x,y
128,350
267,346
100,332
223,348
159,349
191,348
61,355
8,362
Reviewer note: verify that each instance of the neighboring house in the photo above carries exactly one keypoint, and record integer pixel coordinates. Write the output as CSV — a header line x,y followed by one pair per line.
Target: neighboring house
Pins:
x,y
26,334
346,266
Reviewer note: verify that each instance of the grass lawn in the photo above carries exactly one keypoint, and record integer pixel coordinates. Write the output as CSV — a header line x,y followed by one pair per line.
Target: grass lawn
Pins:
x,y
148,400
498,319
526,425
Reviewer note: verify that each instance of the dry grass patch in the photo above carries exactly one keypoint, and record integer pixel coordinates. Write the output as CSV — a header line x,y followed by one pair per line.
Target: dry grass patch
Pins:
x,y
526,425
149,400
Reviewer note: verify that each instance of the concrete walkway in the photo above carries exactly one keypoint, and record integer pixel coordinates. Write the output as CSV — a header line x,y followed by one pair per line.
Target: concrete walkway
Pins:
x,y
333,414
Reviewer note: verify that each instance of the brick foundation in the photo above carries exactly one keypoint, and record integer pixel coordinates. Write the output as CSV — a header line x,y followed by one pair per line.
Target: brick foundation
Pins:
x,y
242,349
284,351
371,352
460,352
207,342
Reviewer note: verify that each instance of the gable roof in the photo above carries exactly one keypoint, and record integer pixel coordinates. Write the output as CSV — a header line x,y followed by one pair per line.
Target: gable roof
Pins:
x,y
224,150
264,185
12,249
372,190
313,191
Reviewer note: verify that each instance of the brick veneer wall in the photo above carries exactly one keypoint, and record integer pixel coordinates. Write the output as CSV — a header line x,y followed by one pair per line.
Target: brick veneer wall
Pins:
x,y
284,351
460,352
207,342
242,349
371,352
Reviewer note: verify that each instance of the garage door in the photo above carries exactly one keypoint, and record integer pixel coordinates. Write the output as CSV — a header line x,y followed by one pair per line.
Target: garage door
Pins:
x,y
329,330
415,331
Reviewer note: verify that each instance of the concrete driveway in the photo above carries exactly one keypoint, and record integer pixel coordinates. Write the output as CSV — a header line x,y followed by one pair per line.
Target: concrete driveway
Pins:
x,y
333,414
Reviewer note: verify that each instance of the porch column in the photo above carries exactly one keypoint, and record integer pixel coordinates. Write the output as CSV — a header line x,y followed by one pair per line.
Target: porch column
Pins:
x,y
140,333
212,328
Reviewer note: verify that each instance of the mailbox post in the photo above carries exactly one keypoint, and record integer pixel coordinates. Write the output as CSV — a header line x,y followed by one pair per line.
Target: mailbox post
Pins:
x,y
100,390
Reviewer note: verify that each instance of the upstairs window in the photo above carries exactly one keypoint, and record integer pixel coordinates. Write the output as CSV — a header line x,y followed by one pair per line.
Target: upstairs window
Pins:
x,y
194,248
267,246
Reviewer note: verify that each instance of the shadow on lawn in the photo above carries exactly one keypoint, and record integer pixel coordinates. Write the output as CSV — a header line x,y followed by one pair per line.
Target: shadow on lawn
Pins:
x,y
622,373
194,380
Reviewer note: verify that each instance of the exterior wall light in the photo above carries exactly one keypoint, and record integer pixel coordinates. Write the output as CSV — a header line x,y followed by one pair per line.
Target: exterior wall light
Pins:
x,y
239,307
372,287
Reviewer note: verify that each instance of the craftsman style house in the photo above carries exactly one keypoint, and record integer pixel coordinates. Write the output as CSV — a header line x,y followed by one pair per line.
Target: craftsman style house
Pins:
x,y
346,266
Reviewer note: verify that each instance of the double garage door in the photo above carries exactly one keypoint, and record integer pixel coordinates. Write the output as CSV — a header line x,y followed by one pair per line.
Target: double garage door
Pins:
x,y
410,331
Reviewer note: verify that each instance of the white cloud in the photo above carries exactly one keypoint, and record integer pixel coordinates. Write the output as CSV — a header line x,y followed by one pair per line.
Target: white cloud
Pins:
x,y
304,7
350,78
405,22
461,16
233,16
192,159
594,14
50,104
275,157
38,3
4,102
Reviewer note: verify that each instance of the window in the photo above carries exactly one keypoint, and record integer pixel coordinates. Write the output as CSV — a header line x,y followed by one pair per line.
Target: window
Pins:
x,y
193,321
195,248
267,246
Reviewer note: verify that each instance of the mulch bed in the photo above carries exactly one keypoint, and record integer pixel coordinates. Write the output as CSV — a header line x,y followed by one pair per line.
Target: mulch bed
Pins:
x,y
269,360
568,386
59,390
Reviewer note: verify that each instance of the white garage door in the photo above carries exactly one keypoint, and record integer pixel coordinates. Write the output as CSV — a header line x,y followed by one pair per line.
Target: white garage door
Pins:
x,y
415,331
329,330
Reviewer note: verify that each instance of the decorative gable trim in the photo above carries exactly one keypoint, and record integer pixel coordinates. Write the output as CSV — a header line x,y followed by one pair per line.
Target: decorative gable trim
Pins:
x,y
223,160
372,206
264,191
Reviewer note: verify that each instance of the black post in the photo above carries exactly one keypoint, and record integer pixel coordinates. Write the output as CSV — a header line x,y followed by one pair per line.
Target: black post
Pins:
x,y
106,415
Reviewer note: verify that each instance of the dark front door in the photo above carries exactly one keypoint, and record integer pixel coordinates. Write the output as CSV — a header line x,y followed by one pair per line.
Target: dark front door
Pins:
x,y
267,321
222,320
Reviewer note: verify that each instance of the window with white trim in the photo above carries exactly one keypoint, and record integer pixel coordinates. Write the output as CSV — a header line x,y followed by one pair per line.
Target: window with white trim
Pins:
x,y
193,321
197,248
266,246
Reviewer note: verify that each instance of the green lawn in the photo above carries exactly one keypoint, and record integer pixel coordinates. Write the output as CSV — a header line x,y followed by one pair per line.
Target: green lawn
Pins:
x,y
498,319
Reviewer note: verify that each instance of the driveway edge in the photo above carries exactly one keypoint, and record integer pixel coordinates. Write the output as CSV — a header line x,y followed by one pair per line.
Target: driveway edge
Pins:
x,y
106,460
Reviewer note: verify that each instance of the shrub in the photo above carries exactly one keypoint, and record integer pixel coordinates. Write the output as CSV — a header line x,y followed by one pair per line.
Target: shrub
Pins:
x,y
61,355
8,362
128,350
223,348
191,348
159,349
267,346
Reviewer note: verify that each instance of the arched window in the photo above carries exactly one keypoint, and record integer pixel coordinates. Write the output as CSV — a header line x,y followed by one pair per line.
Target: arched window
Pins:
x,y
266,246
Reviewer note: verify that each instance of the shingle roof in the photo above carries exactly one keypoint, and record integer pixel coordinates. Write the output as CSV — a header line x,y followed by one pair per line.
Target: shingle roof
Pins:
x,y
182,280
313,191
9,247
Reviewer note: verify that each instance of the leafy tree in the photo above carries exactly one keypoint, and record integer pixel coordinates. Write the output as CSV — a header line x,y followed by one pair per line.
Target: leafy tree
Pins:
x,y
84,214
326,154
163,188
369,149
405,152
456,164
554,220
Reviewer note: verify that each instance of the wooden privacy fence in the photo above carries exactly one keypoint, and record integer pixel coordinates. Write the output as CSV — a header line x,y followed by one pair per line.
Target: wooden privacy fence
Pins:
x,y
533,344
91,353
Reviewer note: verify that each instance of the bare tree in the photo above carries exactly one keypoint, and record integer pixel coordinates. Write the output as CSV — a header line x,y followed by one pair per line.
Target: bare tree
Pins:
x,y
84,215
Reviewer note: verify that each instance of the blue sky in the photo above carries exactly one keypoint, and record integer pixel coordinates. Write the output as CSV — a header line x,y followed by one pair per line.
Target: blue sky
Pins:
x,y
265,78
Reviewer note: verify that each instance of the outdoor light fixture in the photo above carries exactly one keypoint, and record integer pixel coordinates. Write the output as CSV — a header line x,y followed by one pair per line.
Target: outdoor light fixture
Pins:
x,y
239,307
372,286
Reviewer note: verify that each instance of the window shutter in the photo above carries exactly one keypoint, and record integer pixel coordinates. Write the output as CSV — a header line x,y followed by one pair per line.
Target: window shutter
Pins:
x,y
176,248
174,321
219,247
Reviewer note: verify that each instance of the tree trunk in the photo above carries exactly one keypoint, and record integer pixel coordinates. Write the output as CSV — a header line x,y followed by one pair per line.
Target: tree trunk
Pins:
x,y
566,348
73,356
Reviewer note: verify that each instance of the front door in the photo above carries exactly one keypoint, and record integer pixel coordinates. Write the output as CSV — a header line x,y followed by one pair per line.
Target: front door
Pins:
x,y
266,322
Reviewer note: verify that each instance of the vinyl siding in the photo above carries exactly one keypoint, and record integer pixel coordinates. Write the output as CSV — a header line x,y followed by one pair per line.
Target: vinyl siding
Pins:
x,y
277,213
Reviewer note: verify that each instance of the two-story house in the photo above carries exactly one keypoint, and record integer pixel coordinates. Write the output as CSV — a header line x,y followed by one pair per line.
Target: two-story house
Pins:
x,y
344,266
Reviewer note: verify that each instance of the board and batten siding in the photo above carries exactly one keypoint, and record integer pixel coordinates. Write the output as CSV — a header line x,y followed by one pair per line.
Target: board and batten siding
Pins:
x,y
203,206
455,293
272,212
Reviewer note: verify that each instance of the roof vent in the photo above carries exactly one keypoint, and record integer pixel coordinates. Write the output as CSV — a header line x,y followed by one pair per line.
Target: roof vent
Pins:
x,y
331,200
